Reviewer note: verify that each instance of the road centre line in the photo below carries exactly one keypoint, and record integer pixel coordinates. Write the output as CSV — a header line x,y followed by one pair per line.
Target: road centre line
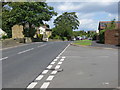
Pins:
x,y
45,85
3,58
32,85
25,51
42,45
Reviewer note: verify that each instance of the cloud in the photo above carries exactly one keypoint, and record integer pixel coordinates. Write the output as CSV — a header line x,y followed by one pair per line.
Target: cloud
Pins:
x,y
88,7
88,24
89,13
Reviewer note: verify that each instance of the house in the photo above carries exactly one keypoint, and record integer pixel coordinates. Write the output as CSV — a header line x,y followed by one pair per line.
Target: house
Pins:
x,y
45,32
2,33
104,24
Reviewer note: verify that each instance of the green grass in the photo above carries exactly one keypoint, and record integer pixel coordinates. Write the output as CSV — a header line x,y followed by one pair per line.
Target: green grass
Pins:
x,y
83,42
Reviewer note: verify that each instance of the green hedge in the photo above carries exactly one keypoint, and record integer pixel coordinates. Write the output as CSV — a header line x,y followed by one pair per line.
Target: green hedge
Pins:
x,y
101,36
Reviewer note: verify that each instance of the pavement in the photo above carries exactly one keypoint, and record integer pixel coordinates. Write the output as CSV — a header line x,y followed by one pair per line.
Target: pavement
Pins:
x,y
95,44
81,67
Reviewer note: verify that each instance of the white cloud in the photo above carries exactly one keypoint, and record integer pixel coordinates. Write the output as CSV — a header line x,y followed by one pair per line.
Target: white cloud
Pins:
x,y
88,24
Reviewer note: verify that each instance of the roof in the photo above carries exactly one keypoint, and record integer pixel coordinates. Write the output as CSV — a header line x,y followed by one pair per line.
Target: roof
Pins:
x,y
102,24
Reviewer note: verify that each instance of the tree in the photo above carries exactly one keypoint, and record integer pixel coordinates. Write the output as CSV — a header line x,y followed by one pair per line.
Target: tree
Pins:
x,y
33,13
65,24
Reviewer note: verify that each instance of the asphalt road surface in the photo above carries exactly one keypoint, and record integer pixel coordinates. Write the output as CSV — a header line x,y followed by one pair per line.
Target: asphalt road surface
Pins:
x,y
21,65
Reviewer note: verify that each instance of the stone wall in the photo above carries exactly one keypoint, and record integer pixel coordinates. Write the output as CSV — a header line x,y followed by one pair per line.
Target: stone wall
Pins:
x,y
17,31
112,37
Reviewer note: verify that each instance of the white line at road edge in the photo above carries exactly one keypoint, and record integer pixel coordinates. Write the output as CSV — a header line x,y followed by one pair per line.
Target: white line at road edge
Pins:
x,y
32,85
63,50
3,58
25,51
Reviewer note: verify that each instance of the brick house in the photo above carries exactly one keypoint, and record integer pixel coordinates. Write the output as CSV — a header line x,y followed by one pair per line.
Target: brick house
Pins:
x,y
110,36
104,24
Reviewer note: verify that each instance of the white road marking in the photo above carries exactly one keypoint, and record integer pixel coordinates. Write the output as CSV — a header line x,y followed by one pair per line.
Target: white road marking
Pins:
x,y
25,51
3,58
57,67
52,62
45,71
63,50
42,45
45,85
50,78
59,62
55,60
63,57
39,77
53,72
49,67
32,85
57,57
62,60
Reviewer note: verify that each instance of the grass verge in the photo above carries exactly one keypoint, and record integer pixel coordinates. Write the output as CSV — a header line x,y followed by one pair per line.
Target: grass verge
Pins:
x,y
83,42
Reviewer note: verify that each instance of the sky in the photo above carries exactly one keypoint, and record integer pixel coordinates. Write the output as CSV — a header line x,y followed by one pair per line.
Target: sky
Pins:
x,y
89,12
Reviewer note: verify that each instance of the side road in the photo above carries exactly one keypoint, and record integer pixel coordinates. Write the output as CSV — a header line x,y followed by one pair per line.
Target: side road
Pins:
x,y
85,67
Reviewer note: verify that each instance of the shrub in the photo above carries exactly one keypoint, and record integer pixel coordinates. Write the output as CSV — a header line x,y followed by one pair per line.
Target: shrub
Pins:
x,y
56,37
101,36
64,38
4,36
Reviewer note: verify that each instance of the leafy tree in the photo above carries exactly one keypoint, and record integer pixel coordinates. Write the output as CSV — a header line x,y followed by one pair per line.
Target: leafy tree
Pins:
x,y
33,13
65,24
111,25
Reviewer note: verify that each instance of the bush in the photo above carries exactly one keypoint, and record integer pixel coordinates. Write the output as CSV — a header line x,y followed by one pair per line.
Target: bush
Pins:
x,y
64,38
101,36
4,36
56,37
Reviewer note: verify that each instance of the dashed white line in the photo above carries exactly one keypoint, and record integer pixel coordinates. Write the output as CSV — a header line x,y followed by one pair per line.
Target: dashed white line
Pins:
x,y
45,85
57,67
57,57
53,72
63,57
45,71
32,85
49,67
3,58
62,60
42,45
52,63
39,77
25,51
50,78
55,60
59,62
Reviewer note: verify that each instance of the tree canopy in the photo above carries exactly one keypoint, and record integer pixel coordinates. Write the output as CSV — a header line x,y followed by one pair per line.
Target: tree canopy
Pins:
x,y
65,24
33,13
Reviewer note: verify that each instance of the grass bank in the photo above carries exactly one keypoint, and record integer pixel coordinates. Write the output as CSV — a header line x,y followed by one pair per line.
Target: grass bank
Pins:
x,y
83,42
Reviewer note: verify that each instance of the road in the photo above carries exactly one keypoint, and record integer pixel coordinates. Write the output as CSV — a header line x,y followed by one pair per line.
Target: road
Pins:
x,y
21,65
